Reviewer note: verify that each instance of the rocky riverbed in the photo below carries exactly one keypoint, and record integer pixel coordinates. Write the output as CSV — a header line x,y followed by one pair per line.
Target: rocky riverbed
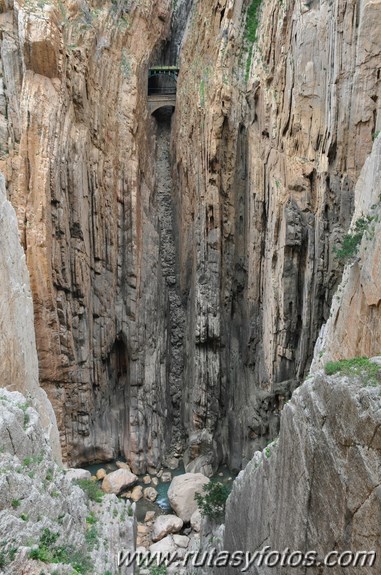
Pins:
x,y
165,507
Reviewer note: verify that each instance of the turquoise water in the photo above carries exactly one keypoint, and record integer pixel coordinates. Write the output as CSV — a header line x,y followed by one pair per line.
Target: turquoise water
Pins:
x,y
161,505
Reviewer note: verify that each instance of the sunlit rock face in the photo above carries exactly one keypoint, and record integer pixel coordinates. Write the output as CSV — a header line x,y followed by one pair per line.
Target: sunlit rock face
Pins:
x,y
266,171
18,353
78,159
354,326
182,266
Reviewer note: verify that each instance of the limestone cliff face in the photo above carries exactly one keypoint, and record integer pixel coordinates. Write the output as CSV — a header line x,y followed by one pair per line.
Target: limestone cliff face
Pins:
x,y
44,516
78,158
318,486
318,489
266,174
181,272
18,353
354,326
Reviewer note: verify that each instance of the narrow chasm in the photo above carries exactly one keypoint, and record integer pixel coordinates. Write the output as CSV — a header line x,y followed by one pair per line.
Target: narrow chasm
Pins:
x,y
169,267
190,319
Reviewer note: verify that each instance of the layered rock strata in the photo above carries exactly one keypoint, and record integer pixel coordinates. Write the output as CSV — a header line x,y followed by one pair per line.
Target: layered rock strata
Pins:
x,y
78,156
268,142
266,173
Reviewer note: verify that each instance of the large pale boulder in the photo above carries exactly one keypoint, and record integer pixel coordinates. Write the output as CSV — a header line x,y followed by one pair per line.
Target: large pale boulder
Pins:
x,y
118,480
165,525
182,491
166,545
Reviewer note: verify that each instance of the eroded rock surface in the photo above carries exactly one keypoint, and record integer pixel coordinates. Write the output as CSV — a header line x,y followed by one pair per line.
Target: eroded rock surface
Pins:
x,y
117,481
279,158
77,145
319,488
354,326
181,493
179,292
43,514
18,353
165,525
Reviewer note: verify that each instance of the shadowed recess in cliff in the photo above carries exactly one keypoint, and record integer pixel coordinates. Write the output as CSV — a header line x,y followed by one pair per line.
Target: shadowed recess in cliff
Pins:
x,y
169,268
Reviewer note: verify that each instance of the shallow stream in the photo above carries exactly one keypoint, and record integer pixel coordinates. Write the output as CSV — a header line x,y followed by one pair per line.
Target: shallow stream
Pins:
x,y
161,505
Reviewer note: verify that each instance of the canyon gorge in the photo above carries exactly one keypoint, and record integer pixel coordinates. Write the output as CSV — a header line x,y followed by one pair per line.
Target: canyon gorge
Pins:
x,y
172,281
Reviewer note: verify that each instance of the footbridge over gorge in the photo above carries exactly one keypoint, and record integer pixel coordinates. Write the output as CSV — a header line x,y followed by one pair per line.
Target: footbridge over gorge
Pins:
x,y
162,86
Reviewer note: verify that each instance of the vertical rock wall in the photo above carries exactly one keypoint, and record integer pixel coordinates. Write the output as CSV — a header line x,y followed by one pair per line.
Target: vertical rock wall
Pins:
x,y
318,487
354,326
18,353
78,158
267,144
266,172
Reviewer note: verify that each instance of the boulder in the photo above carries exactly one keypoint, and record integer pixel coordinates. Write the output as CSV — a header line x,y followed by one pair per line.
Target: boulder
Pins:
x,y
165,525
101,474
196,521
137,493
123,465
181,541
142,529
74,474
182,491
166,545
118,480
149,516
146,480
150,493
166,476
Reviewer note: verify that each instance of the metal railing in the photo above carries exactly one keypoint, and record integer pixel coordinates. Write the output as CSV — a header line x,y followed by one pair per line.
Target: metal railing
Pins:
x,y
162,91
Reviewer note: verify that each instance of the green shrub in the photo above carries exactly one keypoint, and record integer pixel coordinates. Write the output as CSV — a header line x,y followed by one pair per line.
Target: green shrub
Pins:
x,y
368,371
48,552
49,474
158,570
15,503
252,21
91,519
7,557
35,460
352,240
91,489
91,536
212,503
